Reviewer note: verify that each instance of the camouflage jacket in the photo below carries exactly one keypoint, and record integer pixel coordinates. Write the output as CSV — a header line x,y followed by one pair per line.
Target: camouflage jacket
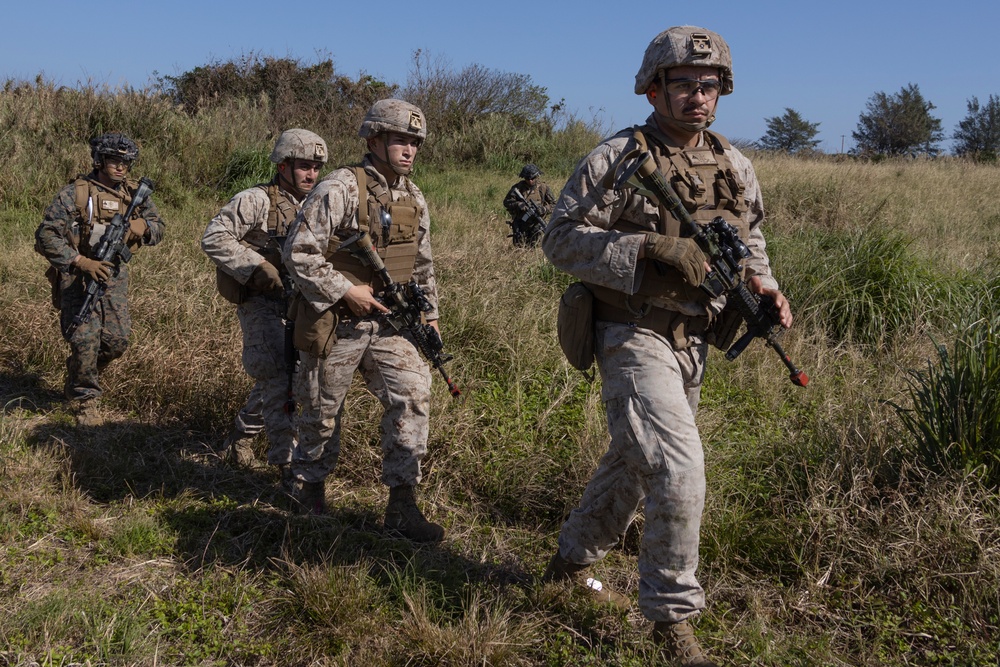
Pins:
x,y
331,209
582,241
540,194
58,236
247,210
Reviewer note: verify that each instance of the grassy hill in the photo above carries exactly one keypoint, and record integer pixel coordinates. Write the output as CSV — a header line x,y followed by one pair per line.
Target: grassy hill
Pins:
x,y
832,535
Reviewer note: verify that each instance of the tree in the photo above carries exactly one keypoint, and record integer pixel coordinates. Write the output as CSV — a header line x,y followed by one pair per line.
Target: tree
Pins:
x,y
456,100
899,124
978,134
296,94
790,133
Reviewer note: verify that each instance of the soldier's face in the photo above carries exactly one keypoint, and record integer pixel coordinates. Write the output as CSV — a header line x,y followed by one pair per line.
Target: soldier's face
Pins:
x,y
399,150
302,174
115,168
696,107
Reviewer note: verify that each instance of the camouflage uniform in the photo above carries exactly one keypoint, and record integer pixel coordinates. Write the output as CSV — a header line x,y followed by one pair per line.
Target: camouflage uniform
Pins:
x,y
65,233
538,193
388,362
262,316
651,380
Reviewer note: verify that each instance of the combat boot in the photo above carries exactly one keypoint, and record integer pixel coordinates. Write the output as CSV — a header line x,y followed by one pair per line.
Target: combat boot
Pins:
x,y
403,516
88,413
562,571
238,449
308,497
286,478
678,645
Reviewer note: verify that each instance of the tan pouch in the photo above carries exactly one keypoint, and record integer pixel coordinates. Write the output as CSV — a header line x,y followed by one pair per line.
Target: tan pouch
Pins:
x,y
53,275
575,326
315,333
723,330
230,288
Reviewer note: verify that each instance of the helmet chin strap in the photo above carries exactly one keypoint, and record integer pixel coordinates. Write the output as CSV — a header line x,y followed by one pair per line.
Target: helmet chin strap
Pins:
x,y
287,183
672,121
385,160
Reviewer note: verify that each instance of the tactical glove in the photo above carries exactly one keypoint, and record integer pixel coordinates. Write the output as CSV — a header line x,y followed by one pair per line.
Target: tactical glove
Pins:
x,y
136,232
681,253
265,278
99,271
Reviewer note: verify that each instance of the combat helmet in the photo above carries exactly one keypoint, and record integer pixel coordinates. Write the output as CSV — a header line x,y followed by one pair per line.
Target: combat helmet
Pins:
x,y
530,171
298,144
114,144
394,116
685,45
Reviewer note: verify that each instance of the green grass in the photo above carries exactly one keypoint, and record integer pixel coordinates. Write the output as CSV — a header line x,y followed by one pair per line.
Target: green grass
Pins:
x,y
832,534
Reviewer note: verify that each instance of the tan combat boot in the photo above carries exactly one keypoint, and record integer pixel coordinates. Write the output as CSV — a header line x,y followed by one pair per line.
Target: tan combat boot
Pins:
x,y
238,449
561,570
678,644
88,413
308,497
403,516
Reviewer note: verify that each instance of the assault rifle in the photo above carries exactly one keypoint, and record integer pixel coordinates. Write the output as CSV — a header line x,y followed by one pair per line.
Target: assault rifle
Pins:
x,y
269,247
111,248
405,303
720,241
532,222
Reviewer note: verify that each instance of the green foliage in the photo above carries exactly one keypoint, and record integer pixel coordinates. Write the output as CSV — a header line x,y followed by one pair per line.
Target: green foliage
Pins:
x,y
294,94
454,100
955,413
866,285
898,124
246,168
978,134
133,543
790,133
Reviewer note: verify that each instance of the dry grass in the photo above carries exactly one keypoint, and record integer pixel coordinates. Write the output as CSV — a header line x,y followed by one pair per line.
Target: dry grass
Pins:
x,y
824,542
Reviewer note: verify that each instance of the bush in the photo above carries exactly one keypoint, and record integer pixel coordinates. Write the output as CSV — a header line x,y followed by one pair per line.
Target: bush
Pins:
x,y
955,418
867,286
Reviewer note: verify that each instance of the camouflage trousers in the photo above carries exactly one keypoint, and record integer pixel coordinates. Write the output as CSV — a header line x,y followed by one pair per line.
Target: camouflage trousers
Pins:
x,y
394,372
263,324
249,420
655,459
97,342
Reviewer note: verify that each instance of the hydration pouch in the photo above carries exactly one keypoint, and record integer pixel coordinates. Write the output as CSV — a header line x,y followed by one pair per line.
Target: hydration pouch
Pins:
x,y
229,288
315,332
575,326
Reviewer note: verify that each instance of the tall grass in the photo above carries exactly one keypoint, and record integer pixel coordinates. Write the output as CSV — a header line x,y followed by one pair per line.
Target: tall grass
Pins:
x,y
954,412
827,538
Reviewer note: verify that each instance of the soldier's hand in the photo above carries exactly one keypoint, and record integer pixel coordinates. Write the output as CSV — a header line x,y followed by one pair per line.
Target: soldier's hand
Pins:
x,y
780,302
680,253
361,300
99,271
265,278
136,232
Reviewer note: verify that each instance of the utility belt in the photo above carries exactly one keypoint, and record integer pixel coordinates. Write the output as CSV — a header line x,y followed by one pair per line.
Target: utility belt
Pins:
x,y
683,330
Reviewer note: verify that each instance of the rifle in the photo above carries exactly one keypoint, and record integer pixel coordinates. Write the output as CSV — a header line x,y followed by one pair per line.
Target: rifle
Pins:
x,y
405,303
532,221
269,247
720,241
111,248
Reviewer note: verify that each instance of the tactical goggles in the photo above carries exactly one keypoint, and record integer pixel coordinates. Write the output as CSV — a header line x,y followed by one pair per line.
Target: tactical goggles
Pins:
x,y
687,87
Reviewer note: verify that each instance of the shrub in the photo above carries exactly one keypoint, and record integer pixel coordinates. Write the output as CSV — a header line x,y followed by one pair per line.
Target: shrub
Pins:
x,y
955,414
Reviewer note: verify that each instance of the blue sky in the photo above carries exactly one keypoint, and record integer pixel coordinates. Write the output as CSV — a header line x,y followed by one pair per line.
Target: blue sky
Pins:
x,y
824,60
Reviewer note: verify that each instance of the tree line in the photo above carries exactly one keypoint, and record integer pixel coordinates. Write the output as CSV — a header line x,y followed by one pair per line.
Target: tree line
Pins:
x,y
898,124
